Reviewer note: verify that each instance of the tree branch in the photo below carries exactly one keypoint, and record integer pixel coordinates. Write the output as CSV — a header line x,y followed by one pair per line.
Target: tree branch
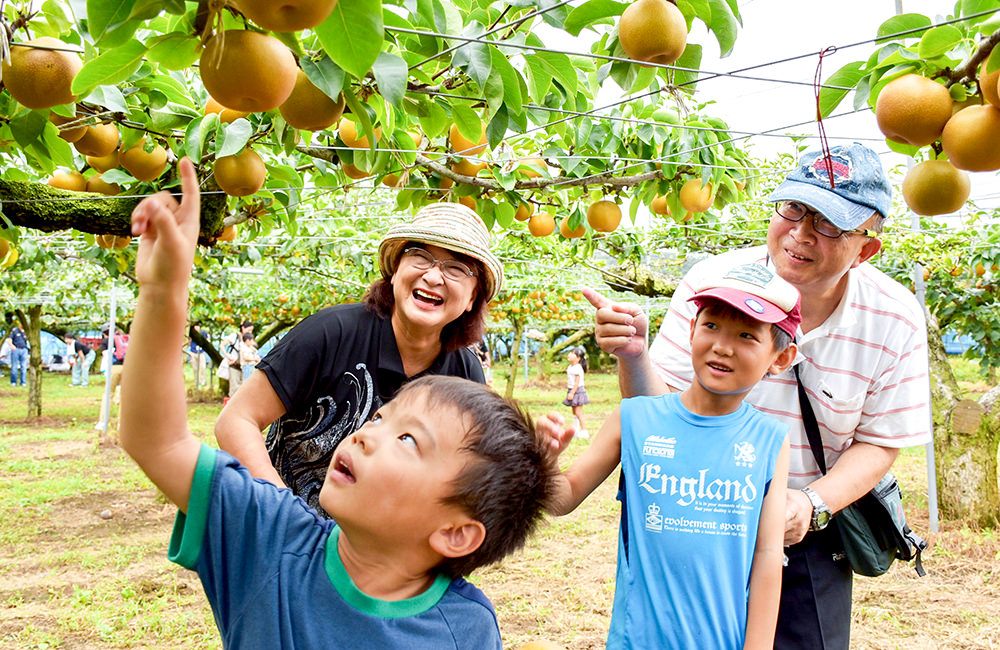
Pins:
x,y
969,70
49,209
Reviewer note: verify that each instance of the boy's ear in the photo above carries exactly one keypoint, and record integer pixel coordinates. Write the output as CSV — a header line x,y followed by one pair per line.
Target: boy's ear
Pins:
x,y
783,360
458,538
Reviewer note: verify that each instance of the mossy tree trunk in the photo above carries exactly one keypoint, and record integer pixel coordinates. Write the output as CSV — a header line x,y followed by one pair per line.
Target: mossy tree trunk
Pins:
x,y
515,349
48,209
32,325
966,443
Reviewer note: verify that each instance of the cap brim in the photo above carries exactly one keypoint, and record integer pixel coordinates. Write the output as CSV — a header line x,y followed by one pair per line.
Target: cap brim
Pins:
x,y
845,214
751,305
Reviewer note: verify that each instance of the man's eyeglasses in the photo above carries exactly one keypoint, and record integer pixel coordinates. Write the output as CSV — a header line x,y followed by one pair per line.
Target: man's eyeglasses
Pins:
x,y
422,260
795,211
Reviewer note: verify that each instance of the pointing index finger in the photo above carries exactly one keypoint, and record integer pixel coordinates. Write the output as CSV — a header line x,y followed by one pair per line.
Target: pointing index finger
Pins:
x,y
596,299
191,199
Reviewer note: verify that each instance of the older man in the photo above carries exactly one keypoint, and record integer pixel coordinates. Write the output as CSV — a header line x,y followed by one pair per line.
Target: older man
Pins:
x,y
862,360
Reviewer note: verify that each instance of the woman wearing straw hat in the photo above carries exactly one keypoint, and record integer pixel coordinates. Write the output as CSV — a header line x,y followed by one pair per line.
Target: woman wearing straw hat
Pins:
x,y
338,366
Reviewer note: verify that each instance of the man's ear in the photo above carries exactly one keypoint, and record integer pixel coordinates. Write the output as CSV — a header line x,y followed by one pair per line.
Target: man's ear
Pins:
x,y
868,251
783,360
458,539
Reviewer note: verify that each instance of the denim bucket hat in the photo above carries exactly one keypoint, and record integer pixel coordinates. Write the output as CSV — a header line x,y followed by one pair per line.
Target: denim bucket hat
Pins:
x,y
859,185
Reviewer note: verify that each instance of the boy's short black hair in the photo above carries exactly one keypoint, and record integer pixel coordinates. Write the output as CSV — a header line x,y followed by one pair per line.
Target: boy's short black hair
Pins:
x,y
779,337
510,479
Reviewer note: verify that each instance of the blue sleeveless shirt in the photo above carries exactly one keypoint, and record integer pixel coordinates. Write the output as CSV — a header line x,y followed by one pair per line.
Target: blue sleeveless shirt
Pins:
x,y
692,490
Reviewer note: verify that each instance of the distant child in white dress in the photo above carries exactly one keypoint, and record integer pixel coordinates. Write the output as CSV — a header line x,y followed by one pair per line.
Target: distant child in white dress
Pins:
x,y
576,393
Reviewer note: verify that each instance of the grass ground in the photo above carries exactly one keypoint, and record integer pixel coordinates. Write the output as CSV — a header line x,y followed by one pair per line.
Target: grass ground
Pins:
x,y
84,536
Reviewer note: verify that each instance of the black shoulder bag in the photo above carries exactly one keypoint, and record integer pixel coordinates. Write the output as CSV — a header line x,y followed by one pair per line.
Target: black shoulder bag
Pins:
x,y
873,529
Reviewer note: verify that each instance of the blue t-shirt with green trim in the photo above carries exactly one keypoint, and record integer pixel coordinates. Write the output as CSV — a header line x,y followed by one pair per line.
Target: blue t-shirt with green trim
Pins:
x,y
271,571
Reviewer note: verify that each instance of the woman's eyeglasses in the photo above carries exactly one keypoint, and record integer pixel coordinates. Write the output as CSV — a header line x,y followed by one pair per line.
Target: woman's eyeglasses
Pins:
x,y
422,260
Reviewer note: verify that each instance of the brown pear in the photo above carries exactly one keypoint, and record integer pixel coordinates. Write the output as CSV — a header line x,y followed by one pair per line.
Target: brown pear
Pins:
x,y
913,110
653,31
309,108
247,71
41,78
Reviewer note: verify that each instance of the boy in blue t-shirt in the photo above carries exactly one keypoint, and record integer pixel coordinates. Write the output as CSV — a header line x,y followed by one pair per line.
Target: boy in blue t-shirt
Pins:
x,y
703,480
445,478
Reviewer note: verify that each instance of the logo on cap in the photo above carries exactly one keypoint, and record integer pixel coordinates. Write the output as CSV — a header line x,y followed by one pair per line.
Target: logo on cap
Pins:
x,y
840,164
754,305
755,274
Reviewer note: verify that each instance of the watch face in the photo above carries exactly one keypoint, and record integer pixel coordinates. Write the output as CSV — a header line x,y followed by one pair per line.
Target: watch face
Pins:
x,y
822,519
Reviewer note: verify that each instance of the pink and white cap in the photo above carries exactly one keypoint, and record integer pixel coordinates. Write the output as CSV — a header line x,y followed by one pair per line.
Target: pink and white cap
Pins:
x,y
756,291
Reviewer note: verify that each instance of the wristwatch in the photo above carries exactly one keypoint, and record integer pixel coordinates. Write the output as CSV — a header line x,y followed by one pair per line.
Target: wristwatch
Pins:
x,y
821,513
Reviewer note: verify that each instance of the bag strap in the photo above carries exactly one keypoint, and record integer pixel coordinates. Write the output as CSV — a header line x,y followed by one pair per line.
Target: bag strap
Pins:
x,y
810,424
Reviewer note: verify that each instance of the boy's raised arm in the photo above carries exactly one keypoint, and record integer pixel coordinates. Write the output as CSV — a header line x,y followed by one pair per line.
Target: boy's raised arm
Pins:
x,y
593,466
154,407
765,572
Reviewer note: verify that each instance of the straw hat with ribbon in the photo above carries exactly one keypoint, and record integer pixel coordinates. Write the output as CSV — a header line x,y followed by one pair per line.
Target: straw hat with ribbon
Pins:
x,y
448,225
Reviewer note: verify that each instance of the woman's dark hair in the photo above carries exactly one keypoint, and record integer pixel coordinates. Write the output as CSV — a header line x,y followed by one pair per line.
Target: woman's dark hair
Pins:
x,y
462,332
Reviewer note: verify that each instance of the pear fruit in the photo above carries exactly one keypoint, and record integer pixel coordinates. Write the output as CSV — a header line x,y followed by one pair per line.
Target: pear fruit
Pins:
x,y
144,165
113,241
226,115
913,110
228,233
241,174
971,138
696,197
935,187
309,108
464,146
69,134
571,233
247,71
99,140
41,78
71,180
524,211
348,132
286,15
103,163
97,184
468,168
659,205
989,85
355,172
653,31
542,224
604,216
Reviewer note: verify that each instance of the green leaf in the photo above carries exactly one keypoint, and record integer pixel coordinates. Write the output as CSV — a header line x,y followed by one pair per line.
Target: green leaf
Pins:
x,y
938,41
560,67
476,60
724,25
110,68
905,149
233,137
538,78
174,51
197,132
993,62
903,23
360,114
591,13
467,119
103,15
691,59
28,127
109,97
60,151
848,77
324,74
352,35
391,76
